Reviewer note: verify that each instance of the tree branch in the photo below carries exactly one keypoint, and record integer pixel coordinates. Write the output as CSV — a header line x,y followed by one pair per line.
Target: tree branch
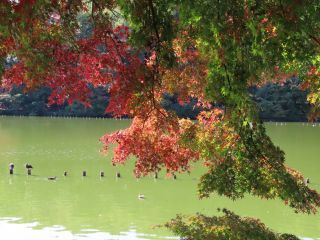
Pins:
x,y
315,39
154,23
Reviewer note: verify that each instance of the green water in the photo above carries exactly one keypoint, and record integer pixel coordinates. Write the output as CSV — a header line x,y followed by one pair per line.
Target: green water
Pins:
x,y
76,207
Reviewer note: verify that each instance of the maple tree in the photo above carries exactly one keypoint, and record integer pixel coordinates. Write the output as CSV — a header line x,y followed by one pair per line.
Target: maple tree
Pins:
x,y
211,50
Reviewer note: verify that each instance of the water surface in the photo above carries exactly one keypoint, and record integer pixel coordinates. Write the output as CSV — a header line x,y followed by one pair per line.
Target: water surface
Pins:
x,y
76,207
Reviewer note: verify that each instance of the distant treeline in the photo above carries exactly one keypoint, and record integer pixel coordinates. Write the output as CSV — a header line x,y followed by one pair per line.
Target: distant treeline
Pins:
x,y
276,103
35,103
285,102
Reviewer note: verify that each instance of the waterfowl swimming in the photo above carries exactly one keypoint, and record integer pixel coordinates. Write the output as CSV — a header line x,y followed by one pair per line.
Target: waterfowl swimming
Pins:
x,y
141,196
52,178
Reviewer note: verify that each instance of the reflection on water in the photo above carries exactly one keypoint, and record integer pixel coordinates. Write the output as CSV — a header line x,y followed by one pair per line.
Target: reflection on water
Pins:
x,y
28,231
76,207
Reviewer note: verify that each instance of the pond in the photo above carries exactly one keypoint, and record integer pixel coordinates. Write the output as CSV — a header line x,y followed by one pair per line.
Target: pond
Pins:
x,y
76,207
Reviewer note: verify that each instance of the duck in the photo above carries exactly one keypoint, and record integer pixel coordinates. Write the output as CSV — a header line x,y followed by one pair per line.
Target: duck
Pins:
x,y
141,196
52,178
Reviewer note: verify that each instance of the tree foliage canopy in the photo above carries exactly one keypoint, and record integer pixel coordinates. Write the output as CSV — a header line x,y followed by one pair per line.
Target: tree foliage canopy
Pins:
x,y
226,227
209,49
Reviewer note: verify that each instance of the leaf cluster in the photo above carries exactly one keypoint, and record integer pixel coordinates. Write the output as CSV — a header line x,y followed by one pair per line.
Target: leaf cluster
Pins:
x,y
227,227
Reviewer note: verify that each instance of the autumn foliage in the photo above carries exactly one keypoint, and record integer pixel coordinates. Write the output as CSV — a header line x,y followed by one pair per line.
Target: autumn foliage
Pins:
x,y
198,49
